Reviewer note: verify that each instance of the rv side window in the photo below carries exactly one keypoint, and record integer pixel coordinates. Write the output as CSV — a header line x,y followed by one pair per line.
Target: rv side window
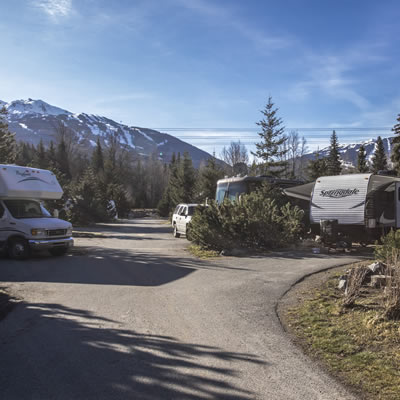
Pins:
x,y
236,189
221,191
398,194
1,211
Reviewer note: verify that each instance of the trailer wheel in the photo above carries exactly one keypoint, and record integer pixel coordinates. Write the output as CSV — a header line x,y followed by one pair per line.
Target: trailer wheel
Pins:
x,y
18,249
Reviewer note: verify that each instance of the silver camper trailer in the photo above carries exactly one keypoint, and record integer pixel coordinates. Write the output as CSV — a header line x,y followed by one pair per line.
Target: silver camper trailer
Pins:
x,y
229,188
363,206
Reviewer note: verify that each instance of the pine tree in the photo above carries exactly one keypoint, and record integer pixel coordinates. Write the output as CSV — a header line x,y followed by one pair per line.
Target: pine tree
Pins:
x,y
333,162
270,150
317,167
379,160
208,177
97,161
395,157
40,158
362,166
187,179
62,159
7,140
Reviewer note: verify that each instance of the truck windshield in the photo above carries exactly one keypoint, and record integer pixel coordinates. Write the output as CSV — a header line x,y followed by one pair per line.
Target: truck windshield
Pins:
x,y
26,209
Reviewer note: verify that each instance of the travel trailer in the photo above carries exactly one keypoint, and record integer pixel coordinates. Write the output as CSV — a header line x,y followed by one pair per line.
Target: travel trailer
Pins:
x,y
25,224
229,188
364,206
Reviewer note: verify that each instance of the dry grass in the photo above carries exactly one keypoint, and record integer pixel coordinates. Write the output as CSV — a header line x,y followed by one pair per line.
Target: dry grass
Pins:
x,y
356,344
355,281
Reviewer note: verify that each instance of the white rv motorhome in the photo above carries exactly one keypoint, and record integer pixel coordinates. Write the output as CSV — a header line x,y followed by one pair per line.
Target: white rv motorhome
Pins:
x,y
365,205
25,224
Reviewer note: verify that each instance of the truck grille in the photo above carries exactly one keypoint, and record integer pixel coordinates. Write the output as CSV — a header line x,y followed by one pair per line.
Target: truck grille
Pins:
x,y
56,232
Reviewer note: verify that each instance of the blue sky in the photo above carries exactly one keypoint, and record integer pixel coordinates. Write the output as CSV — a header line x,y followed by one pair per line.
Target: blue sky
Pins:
x,y
209,64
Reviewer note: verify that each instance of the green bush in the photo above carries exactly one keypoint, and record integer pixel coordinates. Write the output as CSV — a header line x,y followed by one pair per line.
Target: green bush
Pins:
x,y
389,249
262,219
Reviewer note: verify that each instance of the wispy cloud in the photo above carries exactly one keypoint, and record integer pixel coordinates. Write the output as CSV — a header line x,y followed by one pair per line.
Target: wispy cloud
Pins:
x,y
333,76
55,9
224,15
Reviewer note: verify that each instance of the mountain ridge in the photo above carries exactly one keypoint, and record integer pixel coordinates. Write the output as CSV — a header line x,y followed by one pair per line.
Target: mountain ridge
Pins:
x,y
35,120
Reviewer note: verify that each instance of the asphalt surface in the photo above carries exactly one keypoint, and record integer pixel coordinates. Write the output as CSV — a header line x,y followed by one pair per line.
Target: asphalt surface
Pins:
x,y
134,316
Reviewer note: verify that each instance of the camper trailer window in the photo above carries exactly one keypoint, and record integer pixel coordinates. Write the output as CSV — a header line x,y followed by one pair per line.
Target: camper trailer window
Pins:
x,y
221,191
236,189
25,208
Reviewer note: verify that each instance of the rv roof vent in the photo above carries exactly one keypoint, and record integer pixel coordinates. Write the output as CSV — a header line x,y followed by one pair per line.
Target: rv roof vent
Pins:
x,y
387,172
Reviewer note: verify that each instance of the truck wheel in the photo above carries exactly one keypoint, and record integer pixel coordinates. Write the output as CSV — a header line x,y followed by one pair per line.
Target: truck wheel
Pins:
x,y
18,249
176,233
58,251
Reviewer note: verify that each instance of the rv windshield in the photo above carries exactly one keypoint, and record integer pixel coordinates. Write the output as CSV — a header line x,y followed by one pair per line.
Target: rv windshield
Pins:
x,y
26,209
221,191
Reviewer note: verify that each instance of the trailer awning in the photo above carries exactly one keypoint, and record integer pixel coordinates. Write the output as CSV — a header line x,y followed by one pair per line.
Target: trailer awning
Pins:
x,y
303,192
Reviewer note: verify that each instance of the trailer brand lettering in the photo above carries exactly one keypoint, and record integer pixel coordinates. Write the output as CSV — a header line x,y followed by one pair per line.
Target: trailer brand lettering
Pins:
x,y
339,193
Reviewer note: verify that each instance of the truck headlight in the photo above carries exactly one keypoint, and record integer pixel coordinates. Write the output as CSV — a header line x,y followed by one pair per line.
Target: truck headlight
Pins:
x,y
38,232
69,231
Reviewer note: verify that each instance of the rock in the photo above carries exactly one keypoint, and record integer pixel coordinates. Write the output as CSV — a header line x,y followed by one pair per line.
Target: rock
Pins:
x,y
377,268
342,284
378,281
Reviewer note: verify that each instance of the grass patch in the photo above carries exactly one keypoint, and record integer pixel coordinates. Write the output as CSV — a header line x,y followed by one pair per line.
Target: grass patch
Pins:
x,y
356,344
199,252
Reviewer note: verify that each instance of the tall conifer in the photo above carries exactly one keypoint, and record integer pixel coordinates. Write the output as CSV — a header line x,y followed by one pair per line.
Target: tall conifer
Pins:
x,y
333,162
362,166
379,160
395,157
7,140
270,149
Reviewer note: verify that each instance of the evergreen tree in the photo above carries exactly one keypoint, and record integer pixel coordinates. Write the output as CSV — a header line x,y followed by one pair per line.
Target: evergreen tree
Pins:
x,y
208,178
270,149
7,140
362,160
62,159
97,161
40,158
395,157
317,167
187,179
379,160
333,162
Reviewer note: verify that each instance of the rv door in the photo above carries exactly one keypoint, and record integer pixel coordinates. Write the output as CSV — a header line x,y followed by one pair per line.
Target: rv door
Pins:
x,y
397,204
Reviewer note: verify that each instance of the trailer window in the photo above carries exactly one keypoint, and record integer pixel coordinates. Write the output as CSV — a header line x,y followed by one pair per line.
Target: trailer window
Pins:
x,y
236,189
26,209
221,192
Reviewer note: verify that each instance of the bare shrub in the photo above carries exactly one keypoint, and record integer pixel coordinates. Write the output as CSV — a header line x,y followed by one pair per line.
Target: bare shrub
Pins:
x,y
391,295
355,281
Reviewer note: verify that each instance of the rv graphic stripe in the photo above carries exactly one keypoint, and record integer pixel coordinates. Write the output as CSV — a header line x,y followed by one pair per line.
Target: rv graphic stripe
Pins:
x,y
339,193
32,178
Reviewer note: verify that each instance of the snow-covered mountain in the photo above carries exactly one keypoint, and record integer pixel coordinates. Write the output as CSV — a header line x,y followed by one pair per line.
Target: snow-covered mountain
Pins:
x,y
35,120
348,153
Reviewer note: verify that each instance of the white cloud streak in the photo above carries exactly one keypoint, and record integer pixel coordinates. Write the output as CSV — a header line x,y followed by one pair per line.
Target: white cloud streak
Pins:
x,y
55,9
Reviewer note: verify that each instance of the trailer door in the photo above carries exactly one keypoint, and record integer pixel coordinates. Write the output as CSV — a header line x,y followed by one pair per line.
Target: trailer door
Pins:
x,y
397,204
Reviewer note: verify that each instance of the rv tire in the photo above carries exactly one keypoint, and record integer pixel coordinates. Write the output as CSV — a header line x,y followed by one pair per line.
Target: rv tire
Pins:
x,y
18,249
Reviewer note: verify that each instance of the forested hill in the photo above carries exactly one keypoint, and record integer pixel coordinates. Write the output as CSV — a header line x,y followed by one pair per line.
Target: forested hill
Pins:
x,y
35,120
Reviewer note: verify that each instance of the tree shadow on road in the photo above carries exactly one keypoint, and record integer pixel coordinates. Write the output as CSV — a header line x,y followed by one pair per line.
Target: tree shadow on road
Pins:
x,y
104,266
65,353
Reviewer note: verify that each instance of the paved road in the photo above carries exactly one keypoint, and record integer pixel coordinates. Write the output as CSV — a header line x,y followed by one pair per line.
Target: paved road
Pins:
x,y
134,316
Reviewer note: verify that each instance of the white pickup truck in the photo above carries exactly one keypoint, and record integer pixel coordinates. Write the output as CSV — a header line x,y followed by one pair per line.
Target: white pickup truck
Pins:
x,y
25,224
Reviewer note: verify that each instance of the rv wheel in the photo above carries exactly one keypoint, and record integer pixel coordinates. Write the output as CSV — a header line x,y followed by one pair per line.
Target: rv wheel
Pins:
x,y
18,249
